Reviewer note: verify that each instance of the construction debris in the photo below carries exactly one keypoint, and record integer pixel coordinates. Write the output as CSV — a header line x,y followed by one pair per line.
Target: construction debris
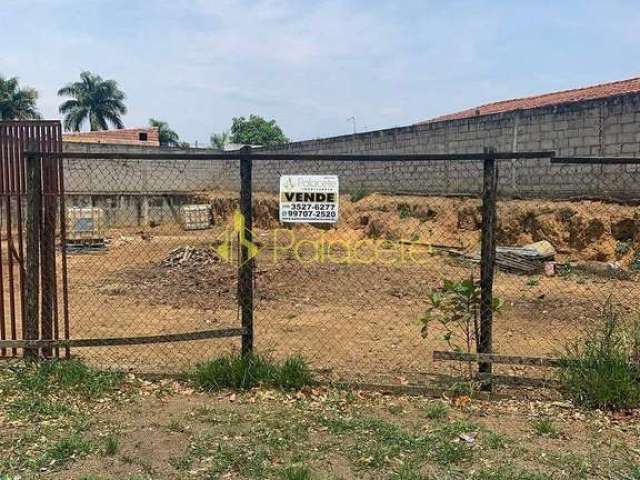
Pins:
x,y
187,256
528,259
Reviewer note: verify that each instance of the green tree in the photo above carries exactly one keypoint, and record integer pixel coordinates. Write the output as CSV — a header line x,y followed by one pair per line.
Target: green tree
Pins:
x,y
99,101
219,140
256,131
16,102
167,137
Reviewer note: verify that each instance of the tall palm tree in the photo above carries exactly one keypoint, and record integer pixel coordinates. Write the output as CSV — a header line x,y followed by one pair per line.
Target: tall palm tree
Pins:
x,y
219,140
94,99
16,102
167,137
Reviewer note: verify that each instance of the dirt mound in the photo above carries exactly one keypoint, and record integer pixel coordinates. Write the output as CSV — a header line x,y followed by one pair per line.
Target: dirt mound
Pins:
x,y
587,230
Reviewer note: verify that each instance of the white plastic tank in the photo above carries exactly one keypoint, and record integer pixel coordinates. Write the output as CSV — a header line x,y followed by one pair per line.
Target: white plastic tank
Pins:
x,y
196,217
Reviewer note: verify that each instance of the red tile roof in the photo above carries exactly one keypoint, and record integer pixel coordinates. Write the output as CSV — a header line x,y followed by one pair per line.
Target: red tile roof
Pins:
x,y
124,136
603,90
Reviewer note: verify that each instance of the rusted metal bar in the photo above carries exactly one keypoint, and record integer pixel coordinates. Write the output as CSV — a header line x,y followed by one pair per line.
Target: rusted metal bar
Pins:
x,y
246,263
47,244
63,237
11,164
4,137
416,157
487,263
30,320
110,342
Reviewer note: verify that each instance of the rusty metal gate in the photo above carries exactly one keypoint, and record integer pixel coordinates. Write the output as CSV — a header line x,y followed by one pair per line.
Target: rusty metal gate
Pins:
x,y
46,317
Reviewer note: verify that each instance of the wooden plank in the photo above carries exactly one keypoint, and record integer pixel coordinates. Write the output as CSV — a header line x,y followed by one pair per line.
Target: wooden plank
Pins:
x,y
108,342
495,358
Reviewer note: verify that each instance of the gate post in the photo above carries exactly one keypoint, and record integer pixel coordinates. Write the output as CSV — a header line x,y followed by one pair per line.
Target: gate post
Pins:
x,y
487,262
246,262
30,321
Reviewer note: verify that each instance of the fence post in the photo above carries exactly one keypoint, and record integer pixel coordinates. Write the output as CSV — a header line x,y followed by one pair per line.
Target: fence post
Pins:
x,y
246,262
487,263
30,321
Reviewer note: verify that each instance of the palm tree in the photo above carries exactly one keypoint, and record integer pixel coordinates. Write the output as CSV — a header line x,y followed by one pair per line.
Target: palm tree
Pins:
x,y
219,140
17,103
167,137
94,99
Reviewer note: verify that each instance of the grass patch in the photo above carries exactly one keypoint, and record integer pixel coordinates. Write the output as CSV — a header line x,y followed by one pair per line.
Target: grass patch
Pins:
x,y
66,449
296,472
598,372
66,375
111,445
436,410
545,427
248,371
494,441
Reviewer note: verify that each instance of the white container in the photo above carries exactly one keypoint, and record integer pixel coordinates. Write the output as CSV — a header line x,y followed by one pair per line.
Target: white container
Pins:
x,y
85,224
195,217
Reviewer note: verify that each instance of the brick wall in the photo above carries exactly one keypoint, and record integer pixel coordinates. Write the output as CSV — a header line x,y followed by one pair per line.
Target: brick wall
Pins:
x,y
124,136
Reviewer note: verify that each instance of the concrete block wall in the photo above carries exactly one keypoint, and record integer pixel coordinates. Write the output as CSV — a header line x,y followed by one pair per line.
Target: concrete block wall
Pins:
x,y
609,126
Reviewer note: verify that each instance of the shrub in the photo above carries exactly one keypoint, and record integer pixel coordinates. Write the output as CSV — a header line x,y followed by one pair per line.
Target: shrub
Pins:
x,y
248,371
601,371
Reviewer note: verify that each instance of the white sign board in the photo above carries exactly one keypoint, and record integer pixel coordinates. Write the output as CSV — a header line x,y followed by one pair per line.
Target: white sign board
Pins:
x,y
309,198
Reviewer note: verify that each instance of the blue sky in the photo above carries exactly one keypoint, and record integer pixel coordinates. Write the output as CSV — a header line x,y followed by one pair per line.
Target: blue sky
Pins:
x,y
313,64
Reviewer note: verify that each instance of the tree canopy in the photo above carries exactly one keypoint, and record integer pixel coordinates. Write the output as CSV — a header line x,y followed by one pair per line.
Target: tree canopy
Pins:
x,y
219,140
255,130
16,102
167,137
99,101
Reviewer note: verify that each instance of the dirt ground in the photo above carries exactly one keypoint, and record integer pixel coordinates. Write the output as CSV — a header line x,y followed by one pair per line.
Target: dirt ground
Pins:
x,y
353,320
166,430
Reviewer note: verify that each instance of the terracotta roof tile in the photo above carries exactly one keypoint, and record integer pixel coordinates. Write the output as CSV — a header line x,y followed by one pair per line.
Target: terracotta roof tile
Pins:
x,y
603,90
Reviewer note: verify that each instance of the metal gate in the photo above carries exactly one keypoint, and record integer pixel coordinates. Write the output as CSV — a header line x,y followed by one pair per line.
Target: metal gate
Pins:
x,y
33,277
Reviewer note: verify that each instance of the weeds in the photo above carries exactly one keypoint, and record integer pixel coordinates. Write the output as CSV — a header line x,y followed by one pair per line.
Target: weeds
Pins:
x,y
295,472
545,427
111,445
65,449
601,371
436,410
65,375
248,371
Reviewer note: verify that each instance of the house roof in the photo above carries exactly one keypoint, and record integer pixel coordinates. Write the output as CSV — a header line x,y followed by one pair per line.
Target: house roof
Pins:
x,y
123,136
602,90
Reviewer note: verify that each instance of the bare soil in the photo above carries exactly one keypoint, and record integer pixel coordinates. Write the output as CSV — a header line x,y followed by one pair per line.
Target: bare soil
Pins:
x,y
354,320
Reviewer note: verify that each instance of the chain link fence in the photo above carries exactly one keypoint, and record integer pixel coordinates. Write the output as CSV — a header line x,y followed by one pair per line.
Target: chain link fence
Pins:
x,y
154,250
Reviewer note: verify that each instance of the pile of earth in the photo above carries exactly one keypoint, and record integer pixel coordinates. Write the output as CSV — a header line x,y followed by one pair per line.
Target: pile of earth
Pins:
x,y
587,230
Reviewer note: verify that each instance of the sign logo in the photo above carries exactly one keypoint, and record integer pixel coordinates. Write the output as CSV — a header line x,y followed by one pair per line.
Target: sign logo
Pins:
x,y
309,198
238,232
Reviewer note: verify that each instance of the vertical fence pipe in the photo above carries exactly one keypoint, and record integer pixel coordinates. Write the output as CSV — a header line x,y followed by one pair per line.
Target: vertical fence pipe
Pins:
x,y
487,263
246,264
30,321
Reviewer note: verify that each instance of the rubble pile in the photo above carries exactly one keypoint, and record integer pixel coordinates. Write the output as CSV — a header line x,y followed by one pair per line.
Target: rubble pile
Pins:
x,y
190,257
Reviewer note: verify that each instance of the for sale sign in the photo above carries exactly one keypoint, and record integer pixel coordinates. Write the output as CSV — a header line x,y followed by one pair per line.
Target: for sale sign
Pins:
x,y
309,198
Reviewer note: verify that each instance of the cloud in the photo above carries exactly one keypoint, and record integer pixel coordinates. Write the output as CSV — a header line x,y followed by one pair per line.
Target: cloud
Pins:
x,y
311,64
